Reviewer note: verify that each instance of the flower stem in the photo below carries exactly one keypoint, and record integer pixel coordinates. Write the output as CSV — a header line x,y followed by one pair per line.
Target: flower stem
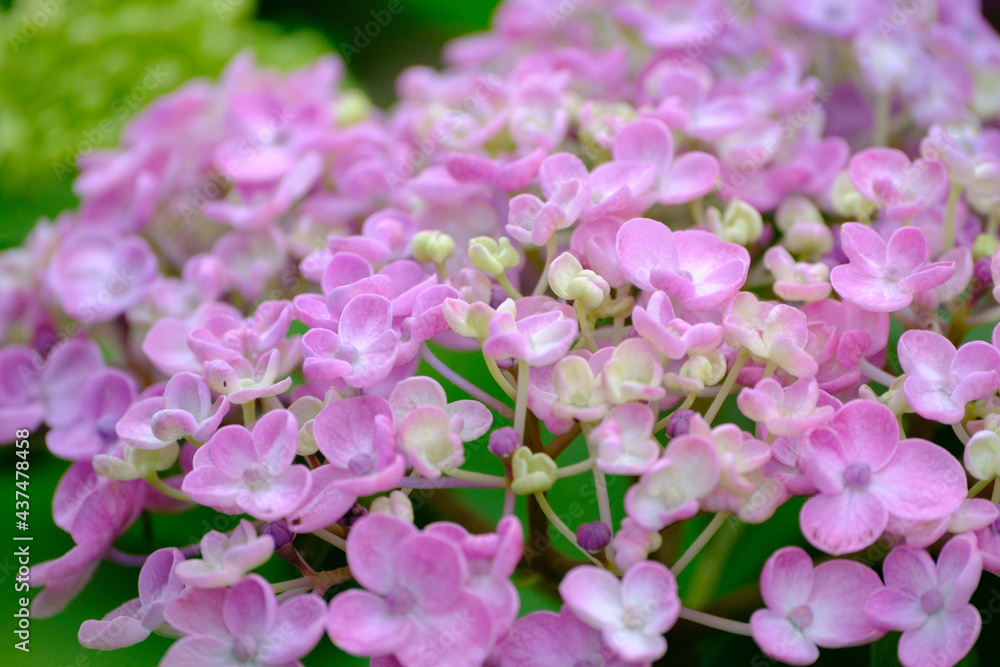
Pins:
x,y
507,287
869,370
727,385
559,443
883,114
543,278
154,480
491,364
710,621
769,369
995,498
249,413
576,468
699,543
960,432
463,384
562,527
601,489
954,193
521,402
979,486
491,481
301,582
452,482
327,536
688,402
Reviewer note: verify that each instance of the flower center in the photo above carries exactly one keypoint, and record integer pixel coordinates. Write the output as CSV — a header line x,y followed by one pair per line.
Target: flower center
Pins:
x,y
399,600
931,601
360,464
634,618
858,474
255,477
346,352
106,428
801,617
244,648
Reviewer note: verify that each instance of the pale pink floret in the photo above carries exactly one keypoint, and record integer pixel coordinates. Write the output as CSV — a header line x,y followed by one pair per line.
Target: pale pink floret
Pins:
x,y
226,558
237,471
886,176
470,419
135,620
687,472
797,281
21,405
362,351
632,614
698,268
811,607
536,329
672,336
775,333
242,381
679,179
883,277
548,638
102,400
96,275
416,589
578,387
244,624
534,221
624,440
741,461
790,410
930,604
185,410
633,373
940,380
868,479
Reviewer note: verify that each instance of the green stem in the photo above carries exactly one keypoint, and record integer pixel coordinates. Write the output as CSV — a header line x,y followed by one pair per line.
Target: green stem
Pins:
x,y
154,480
249,413
301,582
543,278
329,537
491,364
954,193
507,287
883,114
576,468
979,486
769,369
521,402
699,543
482,478
995,498
727,385
724,624
543,503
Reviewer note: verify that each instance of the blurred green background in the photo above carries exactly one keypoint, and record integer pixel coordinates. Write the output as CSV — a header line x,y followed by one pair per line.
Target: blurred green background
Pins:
x,y
67,67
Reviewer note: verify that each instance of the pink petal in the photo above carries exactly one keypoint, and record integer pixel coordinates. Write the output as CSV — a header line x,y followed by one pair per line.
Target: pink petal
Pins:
x,y
786,580
361,623
642,245
843,523
372,548
839,593
923,482
781,640
945,639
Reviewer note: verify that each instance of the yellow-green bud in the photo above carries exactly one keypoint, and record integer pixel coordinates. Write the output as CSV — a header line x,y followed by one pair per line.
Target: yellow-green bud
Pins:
x,y
491,256
985,245
432,246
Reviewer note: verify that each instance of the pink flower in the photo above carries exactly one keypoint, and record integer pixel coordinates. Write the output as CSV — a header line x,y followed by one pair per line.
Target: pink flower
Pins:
x,y
136,619
534,221
184,410
929,604
886,176
21,405
633,373
687,472
624,440
96,275
867,477
679,180
225,559
239,471
672,336
808,607
797,281
940,380
698,268
534,329
362,351
883,277
548,638
243,624
632,614
775,333
416,590
103,400
242,381
791,410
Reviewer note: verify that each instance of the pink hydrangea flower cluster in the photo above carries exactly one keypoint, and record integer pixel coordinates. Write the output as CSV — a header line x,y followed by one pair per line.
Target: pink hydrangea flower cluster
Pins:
x,y
691,240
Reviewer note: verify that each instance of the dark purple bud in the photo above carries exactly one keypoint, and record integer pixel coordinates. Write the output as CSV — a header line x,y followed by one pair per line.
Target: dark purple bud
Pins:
x,y
504,441
356,513
279,532
679,423
593,536
981,271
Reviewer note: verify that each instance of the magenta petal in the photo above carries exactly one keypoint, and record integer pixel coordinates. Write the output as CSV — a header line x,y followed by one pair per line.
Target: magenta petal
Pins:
x,y
282,495
307,615
199,650
944,639
894,609
431,569
786,579
781,640
923,482
249,608
198,611
371,550
839,592
119,628
328,501
959,568
643,245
